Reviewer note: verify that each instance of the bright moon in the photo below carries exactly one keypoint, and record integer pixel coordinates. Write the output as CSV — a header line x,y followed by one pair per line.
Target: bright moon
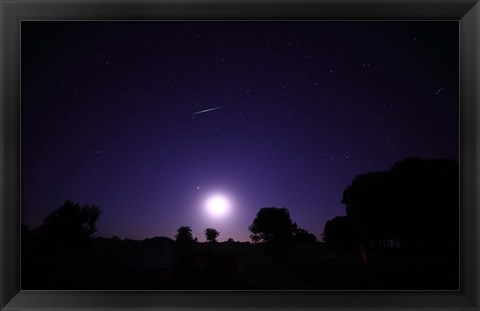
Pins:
x,y
218,206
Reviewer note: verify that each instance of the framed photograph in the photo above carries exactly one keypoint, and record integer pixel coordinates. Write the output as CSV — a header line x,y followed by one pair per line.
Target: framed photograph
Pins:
x,y
240,155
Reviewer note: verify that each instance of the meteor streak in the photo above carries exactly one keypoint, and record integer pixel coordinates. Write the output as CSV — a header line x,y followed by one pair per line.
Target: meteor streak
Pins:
x,y
207,110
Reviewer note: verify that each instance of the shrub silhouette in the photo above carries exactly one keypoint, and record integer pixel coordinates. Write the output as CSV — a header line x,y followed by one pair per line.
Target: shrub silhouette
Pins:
x,y
302,236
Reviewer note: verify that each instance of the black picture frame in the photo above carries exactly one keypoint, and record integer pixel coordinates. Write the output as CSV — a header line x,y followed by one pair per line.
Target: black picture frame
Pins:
x,y
12,12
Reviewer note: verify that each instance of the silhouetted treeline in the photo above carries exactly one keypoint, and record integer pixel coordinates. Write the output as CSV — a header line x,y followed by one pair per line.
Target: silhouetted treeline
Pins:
x,y
413,206
404,224
400,232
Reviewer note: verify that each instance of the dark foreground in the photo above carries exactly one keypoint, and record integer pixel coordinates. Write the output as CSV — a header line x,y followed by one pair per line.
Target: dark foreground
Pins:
x,y
159,263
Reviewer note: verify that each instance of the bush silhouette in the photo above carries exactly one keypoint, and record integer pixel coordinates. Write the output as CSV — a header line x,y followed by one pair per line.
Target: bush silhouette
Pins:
x,y
302,236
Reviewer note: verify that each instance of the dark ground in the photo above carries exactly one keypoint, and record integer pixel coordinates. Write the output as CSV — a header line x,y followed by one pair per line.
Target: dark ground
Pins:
x,y
159,263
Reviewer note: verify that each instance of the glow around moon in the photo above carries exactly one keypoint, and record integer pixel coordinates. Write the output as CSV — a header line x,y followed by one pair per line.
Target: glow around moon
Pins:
x,y
217,206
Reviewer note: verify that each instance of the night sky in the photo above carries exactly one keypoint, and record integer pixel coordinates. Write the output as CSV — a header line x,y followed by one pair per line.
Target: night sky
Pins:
x,y
109,117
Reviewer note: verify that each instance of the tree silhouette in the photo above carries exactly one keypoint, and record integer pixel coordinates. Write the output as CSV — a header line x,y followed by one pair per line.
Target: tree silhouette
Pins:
x,y
184,241
184,235
272,225
211,235
365,200
71,223
338,232
255,238
416,202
